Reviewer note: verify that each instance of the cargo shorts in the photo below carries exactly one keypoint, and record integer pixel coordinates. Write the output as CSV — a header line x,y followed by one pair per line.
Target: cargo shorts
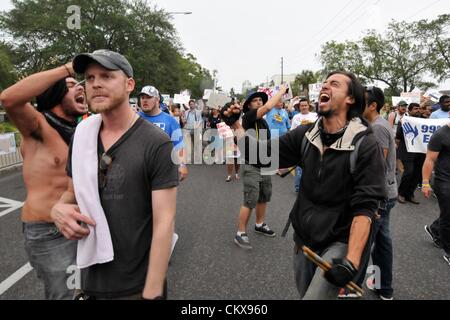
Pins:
x,y
257,187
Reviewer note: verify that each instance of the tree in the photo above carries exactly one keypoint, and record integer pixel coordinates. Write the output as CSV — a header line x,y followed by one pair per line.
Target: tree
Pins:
x,y
7,72
433,34
144,34
302,82
401,59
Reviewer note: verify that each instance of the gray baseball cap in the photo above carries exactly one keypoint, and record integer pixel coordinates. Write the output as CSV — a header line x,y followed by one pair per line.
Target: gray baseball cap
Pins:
x,y
108,59
150,91
402,103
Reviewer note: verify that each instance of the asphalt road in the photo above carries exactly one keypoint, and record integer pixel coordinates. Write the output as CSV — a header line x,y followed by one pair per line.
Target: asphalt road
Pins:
x,y
206,264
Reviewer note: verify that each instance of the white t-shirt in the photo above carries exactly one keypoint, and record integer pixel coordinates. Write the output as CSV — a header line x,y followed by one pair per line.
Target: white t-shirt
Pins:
x,y
302,119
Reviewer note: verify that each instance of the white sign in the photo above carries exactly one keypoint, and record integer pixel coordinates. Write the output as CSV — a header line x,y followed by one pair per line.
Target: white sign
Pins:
x,y
273,91
288,95
181,99
433,95
314,91
418,131
217,100
207,93
7,143
166,98
414,96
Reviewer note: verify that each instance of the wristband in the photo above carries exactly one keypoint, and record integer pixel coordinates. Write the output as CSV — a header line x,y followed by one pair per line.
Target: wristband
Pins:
x,y
426,185
68,71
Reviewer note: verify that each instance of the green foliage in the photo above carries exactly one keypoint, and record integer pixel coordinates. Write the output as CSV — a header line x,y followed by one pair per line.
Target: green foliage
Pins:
x,y
7,72
401,58
302,80
144,34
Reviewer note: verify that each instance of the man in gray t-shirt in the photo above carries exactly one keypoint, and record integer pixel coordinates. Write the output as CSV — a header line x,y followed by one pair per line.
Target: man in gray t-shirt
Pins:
x,y
382,250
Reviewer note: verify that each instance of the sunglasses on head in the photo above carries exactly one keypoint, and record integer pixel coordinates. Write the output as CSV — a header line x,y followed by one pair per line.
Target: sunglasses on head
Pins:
x,y
103,166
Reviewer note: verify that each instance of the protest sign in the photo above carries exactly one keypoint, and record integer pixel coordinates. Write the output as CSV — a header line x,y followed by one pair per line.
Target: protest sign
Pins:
x,y
418,131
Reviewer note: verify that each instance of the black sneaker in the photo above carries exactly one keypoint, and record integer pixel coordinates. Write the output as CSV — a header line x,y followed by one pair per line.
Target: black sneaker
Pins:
x,y
436,241
265,230
243,241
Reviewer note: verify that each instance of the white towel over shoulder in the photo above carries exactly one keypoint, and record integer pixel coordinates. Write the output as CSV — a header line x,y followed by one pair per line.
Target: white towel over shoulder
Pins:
x,y
97,246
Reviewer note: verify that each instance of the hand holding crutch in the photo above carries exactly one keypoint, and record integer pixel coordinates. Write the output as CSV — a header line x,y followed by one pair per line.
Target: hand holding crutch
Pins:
x,y
340,273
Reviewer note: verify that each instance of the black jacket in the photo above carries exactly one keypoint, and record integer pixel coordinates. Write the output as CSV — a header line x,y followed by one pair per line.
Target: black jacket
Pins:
x,y
331,196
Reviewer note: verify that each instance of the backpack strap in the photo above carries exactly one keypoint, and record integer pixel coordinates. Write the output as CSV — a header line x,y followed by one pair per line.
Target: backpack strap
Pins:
x,y
305,147
354,155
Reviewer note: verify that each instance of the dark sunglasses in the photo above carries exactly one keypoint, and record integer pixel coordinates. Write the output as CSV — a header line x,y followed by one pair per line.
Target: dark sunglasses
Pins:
x,y
103,167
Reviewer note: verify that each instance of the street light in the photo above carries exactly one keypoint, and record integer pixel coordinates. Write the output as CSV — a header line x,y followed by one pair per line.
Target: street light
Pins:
x,y
183,12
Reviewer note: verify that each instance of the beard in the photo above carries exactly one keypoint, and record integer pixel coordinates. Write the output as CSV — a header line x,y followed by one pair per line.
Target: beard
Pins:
x,y
326,114
445,108
104,106
70,109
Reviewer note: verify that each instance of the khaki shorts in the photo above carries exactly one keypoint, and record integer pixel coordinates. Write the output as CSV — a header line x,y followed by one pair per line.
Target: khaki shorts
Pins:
x,y
257,187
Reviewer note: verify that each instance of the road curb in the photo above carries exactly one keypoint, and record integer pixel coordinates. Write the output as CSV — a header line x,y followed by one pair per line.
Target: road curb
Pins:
x,y
7,170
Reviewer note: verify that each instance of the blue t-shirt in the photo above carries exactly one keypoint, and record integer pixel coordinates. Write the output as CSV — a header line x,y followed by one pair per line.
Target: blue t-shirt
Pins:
x,y
170,126
278,121
439,114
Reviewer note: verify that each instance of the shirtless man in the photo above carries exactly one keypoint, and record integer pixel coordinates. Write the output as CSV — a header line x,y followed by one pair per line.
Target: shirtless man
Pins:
x,y
46,134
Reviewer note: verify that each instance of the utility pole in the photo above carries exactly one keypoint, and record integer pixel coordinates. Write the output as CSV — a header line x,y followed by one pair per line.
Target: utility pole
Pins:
x,y
281,70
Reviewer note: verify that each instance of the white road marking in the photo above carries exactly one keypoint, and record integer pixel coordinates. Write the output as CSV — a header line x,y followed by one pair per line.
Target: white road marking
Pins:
x,y
15,277
10,204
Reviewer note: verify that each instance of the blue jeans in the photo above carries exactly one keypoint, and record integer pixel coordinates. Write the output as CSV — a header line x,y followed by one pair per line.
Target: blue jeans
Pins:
x,y
50,254
298,177
382,253
309,279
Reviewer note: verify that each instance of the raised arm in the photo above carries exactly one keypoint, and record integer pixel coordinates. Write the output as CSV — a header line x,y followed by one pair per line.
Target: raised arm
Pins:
x,y
272,101
16,98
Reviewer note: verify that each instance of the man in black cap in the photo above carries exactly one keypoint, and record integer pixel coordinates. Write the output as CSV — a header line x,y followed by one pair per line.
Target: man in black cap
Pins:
x,y
46,133
257,186
137,182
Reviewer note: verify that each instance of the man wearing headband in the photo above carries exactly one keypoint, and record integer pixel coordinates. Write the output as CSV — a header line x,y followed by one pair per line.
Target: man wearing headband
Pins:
x,y
46,134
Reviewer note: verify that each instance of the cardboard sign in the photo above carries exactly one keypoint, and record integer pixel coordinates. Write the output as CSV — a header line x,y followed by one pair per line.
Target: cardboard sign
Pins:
x,y
217,100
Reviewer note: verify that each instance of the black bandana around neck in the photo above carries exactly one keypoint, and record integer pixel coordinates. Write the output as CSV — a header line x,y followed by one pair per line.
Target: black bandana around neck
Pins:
x,y
329,138
65,128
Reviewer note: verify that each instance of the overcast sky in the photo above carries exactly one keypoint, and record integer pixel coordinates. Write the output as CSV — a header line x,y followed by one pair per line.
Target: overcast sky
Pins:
x,y
245,39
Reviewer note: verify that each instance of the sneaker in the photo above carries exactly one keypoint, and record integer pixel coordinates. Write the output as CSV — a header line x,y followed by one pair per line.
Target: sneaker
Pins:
x,y
228,179
447,258
243,241
344,293
401,199
386,297
237,176
436,241
265,230
413,200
